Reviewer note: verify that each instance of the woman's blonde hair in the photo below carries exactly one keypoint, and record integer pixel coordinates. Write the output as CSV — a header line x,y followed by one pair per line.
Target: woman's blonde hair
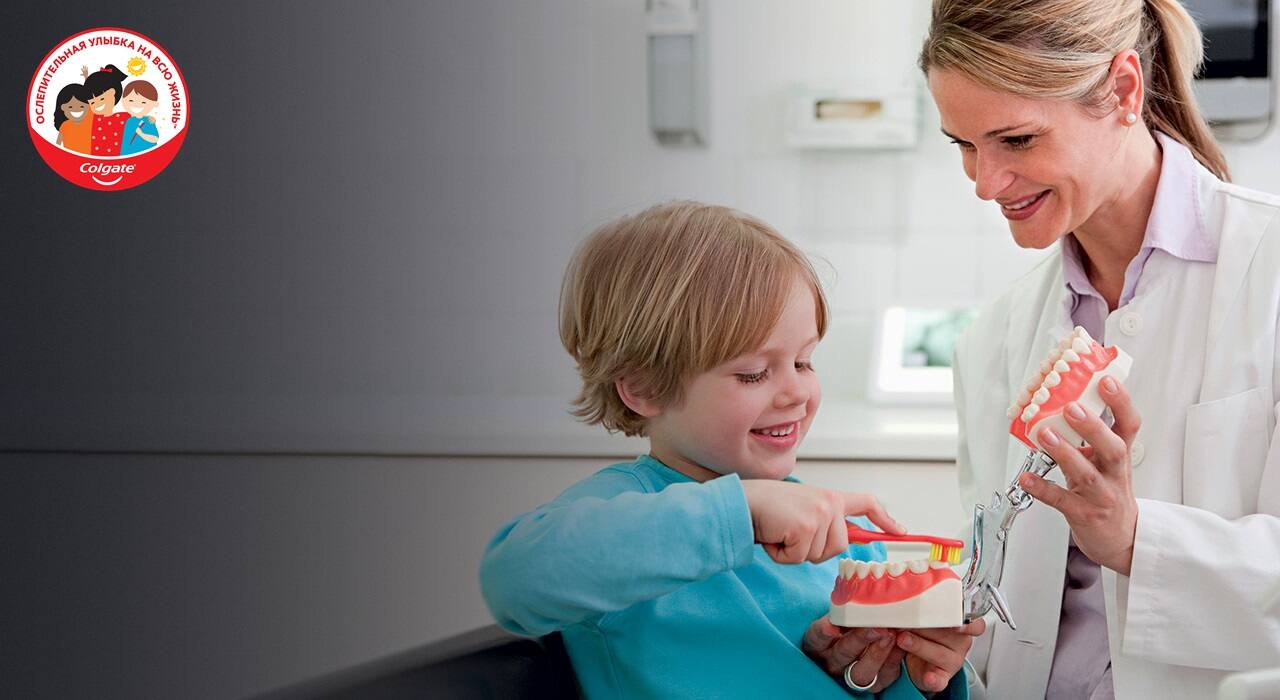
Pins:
x,y
668,293
1063,49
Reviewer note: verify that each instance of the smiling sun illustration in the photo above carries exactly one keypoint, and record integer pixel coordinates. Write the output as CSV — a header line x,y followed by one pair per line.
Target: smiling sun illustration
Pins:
x,y
136,66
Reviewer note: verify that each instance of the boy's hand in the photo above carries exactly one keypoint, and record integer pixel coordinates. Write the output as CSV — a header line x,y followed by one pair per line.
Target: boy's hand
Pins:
x,y
796,522
935,655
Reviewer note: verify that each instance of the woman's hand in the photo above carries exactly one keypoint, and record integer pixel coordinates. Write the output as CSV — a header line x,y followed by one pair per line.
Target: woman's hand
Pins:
x,y
795,522
1098,502
833,648
935,655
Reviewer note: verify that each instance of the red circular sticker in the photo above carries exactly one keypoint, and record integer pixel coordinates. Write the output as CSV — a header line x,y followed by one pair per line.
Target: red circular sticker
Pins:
x,y
107,109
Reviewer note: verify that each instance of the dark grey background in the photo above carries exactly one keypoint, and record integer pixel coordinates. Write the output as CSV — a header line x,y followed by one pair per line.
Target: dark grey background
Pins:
x,y
334,219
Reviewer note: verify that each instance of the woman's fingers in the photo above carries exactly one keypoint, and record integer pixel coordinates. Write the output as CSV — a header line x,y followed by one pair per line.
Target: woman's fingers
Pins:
x,y
868,647
945,659
1127,419
1052,495
950,635
1080,472
1110,451
820,636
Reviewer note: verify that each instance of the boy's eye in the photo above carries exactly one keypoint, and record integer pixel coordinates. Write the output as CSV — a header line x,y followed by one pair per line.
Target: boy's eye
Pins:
x,y
805,366
753,377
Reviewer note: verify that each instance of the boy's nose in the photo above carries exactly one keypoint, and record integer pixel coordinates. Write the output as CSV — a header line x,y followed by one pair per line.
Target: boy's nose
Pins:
x,y
794,393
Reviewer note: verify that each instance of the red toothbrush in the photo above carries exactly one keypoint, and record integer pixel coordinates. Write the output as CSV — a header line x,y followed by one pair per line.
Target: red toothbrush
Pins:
x,y
941,549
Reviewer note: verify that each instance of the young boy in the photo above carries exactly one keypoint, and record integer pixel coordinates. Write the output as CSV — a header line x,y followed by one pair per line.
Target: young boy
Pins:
x,y
692,571
140,132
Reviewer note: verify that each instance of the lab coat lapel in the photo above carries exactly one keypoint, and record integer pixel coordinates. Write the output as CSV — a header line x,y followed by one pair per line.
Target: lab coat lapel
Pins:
x,y
1240,230
1021,659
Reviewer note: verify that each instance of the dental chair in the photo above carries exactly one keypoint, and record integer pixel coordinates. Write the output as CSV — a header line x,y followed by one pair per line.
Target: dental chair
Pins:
x,y
484,663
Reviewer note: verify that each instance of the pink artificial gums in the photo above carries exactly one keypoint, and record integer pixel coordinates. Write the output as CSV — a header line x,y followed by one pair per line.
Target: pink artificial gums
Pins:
x,y
1070,374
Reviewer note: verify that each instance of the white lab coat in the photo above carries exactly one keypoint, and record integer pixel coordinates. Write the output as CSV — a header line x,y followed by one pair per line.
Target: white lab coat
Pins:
x,y
1203,337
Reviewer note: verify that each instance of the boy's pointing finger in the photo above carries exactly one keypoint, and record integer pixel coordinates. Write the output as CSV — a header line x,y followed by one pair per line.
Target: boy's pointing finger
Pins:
x,y
866,504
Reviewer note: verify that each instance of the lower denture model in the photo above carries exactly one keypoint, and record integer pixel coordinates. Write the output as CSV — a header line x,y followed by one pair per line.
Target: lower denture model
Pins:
x,y
913,594
1071,373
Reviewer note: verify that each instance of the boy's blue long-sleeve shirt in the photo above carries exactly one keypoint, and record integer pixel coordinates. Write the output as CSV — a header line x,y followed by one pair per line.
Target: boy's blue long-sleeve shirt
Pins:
x,y
659,590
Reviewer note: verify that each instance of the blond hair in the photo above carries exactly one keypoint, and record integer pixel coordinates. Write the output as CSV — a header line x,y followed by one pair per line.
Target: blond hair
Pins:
x,y
1063,49
668,293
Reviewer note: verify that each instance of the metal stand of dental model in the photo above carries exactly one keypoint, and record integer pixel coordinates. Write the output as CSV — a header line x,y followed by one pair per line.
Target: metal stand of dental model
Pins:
x,y
991,527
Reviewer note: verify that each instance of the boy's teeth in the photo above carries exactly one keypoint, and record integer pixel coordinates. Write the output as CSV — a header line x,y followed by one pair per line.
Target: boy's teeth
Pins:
x,y
777,432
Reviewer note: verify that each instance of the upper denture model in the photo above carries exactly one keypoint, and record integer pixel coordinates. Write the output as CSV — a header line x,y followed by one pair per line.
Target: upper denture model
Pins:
x,y
1071,373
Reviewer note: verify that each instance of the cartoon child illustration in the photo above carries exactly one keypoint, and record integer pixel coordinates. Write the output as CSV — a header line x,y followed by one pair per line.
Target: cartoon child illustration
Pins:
x,y
105,90
72,119
140,131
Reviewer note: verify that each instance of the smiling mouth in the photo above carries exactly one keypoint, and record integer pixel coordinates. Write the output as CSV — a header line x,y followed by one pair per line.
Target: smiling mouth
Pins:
x,y
778,431
1023,203
77,113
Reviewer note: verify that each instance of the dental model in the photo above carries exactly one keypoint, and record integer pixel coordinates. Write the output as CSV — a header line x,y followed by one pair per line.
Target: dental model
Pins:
x,y
1071,373
910,594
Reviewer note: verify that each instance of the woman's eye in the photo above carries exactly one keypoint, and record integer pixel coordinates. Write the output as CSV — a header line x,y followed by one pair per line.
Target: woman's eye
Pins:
x,y
753,377
1018,142
964,145
805,366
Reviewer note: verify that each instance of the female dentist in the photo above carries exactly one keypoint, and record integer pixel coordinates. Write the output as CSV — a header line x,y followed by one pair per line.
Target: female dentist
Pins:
x,y
1142,572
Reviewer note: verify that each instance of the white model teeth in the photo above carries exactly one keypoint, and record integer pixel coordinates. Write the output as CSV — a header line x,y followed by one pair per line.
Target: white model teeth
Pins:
x,y
1051,380
1061,367
1040,396
1070,356
1030,412
1080,345
850,568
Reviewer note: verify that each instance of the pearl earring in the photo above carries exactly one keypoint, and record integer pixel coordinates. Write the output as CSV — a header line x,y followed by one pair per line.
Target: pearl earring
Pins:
x,y
1130,118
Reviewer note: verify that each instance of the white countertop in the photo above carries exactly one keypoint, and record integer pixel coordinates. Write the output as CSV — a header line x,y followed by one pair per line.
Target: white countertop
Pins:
x,y
432,426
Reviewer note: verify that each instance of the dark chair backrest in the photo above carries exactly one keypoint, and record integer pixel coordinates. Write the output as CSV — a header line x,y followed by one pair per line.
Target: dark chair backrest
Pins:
x,y
483,663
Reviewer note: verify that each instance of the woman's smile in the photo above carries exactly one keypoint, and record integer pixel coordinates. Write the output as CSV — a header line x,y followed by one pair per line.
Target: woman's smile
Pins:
x,y
1025,207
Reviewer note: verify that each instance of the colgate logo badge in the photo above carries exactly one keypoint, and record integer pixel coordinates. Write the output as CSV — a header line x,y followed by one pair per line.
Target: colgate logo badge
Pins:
x,y
108,109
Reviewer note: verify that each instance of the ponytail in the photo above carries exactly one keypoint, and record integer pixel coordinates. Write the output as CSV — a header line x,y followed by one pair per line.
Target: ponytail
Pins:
x,y
1173,50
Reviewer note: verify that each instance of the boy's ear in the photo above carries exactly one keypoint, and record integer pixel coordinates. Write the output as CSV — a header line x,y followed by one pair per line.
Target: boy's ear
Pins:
x,y
630,390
